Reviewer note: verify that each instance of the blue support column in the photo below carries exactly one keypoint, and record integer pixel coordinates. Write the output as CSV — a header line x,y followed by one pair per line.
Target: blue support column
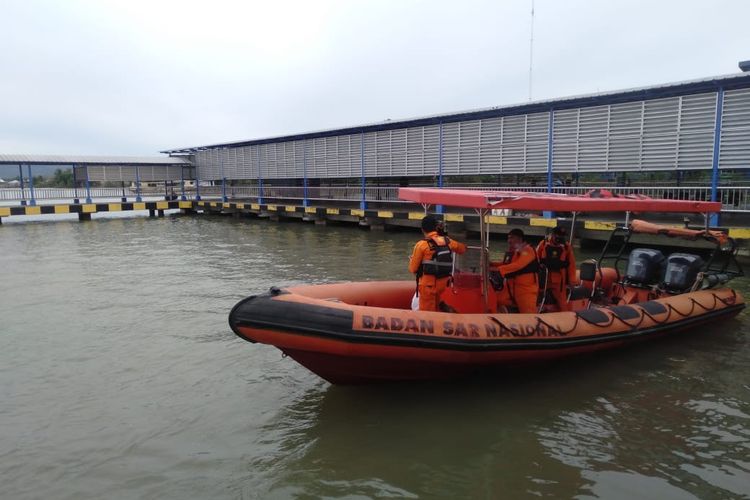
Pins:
x,y
223,178
75,186
137,184
260,179
439,208
182,184
714,219
88,186
363,203
548,214
31,186
305,201
197,184
20,177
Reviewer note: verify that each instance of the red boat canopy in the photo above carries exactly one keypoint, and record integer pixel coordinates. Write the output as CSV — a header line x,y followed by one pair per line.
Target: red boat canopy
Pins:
x,y
537,202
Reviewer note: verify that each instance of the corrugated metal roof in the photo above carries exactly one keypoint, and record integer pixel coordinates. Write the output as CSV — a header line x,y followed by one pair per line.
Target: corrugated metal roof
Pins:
x,y
90,160
734,80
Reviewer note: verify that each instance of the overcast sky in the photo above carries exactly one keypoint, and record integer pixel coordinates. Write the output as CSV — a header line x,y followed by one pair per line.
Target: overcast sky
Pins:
x,y
134,77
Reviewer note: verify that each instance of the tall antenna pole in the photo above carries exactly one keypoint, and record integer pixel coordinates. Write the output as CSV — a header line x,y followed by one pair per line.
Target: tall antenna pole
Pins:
x,y
531,47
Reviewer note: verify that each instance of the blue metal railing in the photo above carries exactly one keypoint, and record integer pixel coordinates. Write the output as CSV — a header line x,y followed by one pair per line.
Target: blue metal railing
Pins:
x,y
733,198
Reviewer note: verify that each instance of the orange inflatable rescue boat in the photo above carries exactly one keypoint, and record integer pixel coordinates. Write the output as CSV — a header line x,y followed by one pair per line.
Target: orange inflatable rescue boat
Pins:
x,y
351,333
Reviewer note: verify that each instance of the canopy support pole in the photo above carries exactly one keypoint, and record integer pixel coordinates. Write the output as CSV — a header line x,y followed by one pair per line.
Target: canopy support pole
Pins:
x,y
627,217
484,261
439,208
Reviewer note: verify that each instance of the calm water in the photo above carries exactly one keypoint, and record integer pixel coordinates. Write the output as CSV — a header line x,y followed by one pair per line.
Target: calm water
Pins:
x,y
119,378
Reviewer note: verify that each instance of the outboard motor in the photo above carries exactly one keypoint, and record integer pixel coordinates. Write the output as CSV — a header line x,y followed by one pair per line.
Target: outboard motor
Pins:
x,y
644,267
681,271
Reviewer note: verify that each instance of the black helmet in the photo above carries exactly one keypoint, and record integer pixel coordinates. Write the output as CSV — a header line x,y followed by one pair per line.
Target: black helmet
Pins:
x,y
429,223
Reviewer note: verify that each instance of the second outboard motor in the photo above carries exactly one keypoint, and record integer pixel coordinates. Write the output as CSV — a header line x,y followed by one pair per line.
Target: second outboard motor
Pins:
x,y
644,267
682,271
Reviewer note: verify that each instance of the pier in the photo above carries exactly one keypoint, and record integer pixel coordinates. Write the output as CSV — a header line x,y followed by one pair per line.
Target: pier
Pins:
x,y
686,140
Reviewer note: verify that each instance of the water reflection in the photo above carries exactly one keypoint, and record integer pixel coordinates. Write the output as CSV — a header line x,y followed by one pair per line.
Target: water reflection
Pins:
x,y
126,381
622,423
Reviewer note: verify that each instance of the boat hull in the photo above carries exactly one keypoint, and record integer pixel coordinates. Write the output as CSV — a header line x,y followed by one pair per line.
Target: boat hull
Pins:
x,y
358,333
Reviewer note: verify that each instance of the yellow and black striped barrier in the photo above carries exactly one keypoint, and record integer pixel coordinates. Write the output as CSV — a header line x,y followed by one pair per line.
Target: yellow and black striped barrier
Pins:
x,y
86,209
393,217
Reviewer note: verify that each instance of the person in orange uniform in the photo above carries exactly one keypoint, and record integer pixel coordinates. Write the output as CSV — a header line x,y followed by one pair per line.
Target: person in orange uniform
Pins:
x,y
520,273
556,254
432,262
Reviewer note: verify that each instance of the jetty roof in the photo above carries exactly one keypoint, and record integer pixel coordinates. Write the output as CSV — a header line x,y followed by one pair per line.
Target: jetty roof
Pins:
x,y
709,84
33,159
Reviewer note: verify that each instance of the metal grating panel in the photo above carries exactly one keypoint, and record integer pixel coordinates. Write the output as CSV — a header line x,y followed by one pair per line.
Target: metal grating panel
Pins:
x,y
343,164
415,151
450,148
371,154
331,151
398,152
319,158
536,142
468,147
431,149
355,155
593,124
490,145
735,133
660,134
625,119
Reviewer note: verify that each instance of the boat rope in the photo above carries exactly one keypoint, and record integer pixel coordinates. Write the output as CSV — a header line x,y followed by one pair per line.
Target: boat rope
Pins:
x,y
669,309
